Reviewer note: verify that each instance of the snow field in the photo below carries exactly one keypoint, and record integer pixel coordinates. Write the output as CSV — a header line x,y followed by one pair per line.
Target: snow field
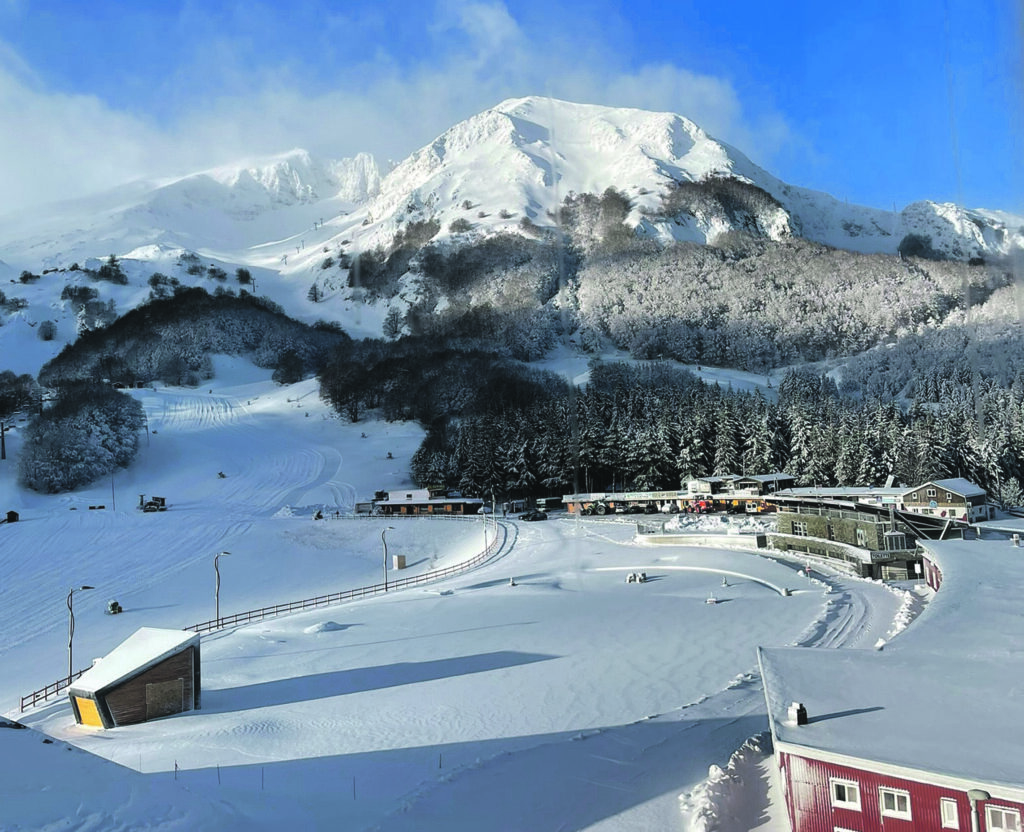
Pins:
x,y
571,700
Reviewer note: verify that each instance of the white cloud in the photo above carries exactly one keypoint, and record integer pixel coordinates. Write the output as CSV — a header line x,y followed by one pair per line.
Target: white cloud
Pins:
x,y
64,145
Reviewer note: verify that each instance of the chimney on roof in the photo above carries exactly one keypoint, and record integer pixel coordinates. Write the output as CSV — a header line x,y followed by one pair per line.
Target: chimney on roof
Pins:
x,y
797,714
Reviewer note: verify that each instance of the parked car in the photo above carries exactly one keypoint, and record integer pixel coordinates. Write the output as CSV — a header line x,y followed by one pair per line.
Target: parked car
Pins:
x,y
534,515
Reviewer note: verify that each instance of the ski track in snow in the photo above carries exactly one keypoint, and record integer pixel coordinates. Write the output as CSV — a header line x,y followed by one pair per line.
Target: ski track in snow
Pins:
x,y
230,418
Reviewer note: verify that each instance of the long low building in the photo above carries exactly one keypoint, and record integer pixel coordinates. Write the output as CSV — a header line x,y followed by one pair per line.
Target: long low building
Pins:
x,y
924,733
725,493
409,501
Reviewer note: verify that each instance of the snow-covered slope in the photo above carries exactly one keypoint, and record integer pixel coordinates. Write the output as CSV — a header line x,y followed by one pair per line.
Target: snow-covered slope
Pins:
x,y
525,155
246,191
227,210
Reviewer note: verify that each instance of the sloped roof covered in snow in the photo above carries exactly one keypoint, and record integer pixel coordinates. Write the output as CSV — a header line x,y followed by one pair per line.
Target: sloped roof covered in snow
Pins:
x,y
143,649
768,477
956,485
853,493
944,698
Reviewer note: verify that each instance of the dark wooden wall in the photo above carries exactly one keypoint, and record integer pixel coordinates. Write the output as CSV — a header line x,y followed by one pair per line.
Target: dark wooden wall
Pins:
x,y
128,701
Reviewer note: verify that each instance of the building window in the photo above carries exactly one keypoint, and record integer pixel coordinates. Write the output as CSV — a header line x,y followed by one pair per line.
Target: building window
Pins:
x,y
950,813
999,817
895,803
845,794
831,532
799,528
931,492
862,538
894,541
949,497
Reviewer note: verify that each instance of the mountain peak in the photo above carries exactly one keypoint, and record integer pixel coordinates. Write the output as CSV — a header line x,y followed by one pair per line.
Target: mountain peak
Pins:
x,y
507,168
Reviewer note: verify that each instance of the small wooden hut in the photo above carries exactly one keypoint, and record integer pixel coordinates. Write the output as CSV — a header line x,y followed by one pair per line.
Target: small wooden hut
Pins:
x,y
153,673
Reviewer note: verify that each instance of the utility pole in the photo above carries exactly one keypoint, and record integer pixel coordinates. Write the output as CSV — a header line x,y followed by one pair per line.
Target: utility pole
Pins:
x,y
216,591
71,627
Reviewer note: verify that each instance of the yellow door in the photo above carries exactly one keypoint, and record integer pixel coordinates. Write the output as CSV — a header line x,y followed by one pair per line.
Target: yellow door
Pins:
x,y
88,712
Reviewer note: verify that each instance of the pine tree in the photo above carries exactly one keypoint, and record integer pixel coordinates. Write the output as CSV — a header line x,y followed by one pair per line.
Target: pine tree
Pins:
x,y
727,455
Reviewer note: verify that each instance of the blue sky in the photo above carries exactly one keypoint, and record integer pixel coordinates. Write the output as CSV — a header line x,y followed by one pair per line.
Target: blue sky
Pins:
x,y
879,103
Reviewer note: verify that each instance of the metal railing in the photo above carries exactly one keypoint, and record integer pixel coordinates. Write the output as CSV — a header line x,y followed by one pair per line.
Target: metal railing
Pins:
x,y
54,688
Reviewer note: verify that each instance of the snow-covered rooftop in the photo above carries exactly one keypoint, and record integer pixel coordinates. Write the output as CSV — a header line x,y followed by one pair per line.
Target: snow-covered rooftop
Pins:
x,y
945,697
957,485
856,493
144,648
768,477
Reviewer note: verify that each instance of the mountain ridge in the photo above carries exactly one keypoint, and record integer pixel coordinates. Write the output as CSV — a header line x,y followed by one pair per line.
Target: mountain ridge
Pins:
x,y
517,159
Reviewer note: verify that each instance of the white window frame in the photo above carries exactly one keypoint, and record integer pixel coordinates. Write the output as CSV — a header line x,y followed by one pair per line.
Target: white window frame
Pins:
x,y
949,810
799,528
1003,813
843,803
930,493
896,811
862,538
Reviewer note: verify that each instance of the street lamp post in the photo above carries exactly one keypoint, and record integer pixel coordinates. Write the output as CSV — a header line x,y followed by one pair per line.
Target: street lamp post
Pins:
x,y
974,796
384,541
71,628
216,590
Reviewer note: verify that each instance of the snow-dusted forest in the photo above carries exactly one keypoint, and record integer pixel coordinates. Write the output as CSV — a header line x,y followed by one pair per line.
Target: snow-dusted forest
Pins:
x,y
885,366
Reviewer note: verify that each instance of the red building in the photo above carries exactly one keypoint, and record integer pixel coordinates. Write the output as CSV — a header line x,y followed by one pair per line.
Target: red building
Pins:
x,y
925,732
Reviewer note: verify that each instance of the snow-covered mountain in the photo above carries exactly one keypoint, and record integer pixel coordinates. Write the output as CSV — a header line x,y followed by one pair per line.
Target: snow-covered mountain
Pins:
x,y
289,218
517,160
521,158
229,209
246,191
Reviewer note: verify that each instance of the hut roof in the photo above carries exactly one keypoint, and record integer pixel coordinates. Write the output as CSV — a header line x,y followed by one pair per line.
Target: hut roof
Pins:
x,y
143,649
